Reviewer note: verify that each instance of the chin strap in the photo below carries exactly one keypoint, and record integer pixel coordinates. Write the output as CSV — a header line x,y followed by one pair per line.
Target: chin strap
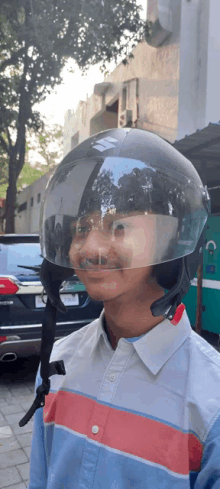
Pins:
x,y
47,369
166,306
52,277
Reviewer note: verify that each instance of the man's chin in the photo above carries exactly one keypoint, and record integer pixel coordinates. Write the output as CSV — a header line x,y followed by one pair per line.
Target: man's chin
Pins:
x,y
104,292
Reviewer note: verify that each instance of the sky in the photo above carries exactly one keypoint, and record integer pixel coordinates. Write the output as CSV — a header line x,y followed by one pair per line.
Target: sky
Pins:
x,y
74,88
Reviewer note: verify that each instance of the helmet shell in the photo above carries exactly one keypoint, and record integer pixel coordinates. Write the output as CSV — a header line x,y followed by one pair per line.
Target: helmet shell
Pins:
x,y
124,198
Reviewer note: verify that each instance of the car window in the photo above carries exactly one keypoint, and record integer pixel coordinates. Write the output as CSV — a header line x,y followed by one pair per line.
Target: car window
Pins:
x,y
27,254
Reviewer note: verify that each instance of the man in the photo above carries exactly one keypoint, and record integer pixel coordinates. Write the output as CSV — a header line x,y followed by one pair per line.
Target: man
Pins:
x,y
139,406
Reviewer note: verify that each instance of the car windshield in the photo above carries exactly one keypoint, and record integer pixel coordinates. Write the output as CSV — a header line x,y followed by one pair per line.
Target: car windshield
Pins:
x,y
27,254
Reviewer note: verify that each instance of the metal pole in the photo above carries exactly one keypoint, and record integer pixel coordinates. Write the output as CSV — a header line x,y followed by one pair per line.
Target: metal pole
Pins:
x,y
200,267
199,298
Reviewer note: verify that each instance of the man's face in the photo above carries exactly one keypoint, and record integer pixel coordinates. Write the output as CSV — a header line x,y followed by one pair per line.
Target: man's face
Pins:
x,y
106,255
113,241
106,285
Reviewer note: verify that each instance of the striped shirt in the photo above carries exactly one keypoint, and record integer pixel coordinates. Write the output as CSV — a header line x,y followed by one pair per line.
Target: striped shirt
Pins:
x,y
145,415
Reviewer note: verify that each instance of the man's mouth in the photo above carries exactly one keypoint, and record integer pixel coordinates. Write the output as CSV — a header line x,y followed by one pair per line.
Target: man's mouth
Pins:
x,y
95,265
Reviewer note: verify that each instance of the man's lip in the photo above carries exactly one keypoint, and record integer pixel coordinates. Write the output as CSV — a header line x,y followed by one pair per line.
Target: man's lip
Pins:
x,y
98,270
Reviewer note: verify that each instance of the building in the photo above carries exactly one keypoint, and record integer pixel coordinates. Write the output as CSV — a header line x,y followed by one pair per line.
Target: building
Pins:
x,y
170,88
29,202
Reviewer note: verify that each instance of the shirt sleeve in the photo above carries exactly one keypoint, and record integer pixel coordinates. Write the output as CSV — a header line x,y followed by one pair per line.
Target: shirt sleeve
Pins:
x,y
38,460
209,475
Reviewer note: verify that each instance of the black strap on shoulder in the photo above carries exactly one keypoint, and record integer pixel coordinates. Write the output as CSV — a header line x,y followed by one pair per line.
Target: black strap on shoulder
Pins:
x,y
52,277
47,369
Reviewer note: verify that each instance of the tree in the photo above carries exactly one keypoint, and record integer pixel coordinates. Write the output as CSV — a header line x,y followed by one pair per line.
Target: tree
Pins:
x,y
37,39
43,151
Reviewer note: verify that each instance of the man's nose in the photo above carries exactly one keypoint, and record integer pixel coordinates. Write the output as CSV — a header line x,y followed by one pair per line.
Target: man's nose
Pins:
x,y
97,242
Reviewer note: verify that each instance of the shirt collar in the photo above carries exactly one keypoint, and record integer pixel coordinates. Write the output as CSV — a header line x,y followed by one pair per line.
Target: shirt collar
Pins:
x,y
157,345
161,342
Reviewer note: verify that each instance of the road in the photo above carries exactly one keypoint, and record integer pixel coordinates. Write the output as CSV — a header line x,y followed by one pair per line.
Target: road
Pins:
x,y
16,396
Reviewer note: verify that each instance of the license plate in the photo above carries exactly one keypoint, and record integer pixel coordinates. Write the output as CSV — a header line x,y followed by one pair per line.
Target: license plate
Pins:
x,y
67,299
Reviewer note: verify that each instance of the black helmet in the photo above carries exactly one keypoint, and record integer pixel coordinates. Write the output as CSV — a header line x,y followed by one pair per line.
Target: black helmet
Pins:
x,y
145,200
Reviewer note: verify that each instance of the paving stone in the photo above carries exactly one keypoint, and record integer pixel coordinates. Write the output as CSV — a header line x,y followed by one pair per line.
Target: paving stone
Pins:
x,y
3,423
25,404
6,396
20,485
22,398
5,432
9,476
14,418
1,417
24,470
13,457
3,402
26,482
28,428
11,409
8,444
19,388
27,450
24,440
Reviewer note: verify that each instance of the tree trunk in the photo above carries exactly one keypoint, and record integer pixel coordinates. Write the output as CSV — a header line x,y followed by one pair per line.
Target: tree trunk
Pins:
x,y
11,200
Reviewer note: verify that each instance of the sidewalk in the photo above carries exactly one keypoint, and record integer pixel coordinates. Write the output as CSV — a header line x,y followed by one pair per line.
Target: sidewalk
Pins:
x,y
15,442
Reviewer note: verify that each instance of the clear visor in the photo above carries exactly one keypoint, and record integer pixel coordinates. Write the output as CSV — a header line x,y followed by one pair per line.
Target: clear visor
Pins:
x,y
118,213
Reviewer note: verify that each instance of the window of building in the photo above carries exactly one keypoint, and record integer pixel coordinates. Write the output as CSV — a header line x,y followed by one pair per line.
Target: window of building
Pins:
x,y
32,201
124,98
38,198
22,207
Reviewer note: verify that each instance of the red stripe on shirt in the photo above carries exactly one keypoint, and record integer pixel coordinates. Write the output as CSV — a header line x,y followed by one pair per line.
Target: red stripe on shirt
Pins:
x,y
125,431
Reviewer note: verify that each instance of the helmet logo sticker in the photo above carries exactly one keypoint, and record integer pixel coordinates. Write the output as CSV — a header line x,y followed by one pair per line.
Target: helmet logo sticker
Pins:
x,y
105,143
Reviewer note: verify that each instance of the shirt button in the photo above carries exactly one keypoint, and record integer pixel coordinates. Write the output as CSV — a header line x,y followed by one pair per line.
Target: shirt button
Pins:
x,y
112,377
95,429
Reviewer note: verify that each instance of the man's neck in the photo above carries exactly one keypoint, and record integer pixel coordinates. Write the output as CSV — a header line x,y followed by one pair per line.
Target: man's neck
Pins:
x,y
129,321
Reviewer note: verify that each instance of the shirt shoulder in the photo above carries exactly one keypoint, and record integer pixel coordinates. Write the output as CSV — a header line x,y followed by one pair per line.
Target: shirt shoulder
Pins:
x,y
203,384
77,339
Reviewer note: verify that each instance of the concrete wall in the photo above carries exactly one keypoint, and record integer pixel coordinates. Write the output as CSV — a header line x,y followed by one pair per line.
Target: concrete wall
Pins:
x,y
199,102
27,221
152,81
177,82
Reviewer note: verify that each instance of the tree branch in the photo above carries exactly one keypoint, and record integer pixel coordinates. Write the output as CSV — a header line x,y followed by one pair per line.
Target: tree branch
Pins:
x,y
12,60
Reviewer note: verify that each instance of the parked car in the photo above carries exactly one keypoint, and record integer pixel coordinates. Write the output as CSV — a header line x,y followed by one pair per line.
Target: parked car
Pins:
x,y
21,302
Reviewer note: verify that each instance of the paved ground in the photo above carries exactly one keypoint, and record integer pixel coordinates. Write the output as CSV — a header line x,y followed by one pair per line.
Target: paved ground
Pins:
x,y
16,396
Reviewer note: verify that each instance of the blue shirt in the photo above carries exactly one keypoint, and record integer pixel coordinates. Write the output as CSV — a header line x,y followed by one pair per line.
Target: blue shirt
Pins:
x,y
145,415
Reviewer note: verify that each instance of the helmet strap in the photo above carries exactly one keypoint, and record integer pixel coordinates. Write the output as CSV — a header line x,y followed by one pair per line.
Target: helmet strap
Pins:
x,y
166,306
52,277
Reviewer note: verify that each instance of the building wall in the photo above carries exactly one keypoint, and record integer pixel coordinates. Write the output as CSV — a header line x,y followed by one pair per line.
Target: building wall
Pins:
x,y
152,81
199,103
27,220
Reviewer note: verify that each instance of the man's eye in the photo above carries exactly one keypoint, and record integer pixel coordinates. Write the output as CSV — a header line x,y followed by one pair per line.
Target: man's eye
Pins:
x,y
119,230
82,229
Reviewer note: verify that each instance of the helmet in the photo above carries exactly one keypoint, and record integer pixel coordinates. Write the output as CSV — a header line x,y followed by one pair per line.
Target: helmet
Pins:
x,y
124,198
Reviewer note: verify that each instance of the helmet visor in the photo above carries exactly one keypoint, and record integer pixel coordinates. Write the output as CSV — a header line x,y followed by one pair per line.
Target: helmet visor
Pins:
x,y
111,213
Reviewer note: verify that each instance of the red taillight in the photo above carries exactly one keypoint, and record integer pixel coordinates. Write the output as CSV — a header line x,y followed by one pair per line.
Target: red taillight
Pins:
x,y
7,286
3,338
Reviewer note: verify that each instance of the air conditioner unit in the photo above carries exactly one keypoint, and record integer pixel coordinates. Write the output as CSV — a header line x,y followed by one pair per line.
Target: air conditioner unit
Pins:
x,y
125,117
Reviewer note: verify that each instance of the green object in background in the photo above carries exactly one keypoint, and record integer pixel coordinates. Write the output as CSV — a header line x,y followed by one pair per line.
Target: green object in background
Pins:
x,y
211,281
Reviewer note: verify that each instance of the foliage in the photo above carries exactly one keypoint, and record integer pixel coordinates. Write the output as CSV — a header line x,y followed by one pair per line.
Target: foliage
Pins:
x,y
36,40
43,151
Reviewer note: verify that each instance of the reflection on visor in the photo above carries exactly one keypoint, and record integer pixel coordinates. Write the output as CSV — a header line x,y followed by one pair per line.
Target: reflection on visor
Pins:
x,y
118,212
109,242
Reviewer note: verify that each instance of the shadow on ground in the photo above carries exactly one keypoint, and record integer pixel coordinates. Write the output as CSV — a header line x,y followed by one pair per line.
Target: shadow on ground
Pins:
x,y
23,369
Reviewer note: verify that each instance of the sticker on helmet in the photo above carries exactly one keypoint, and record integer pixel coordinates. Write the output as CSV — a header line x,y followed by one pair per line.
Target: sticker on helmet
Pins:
x,y
105,143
